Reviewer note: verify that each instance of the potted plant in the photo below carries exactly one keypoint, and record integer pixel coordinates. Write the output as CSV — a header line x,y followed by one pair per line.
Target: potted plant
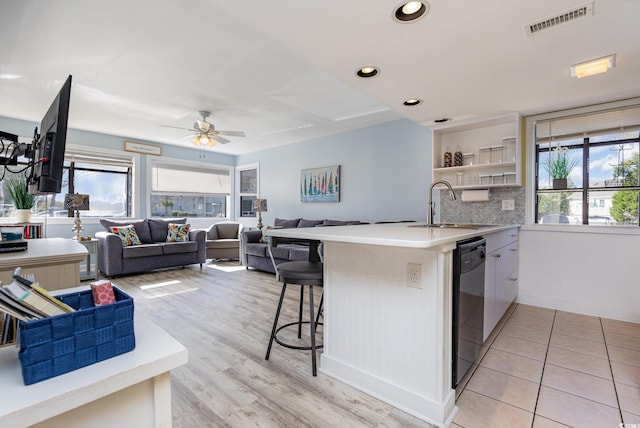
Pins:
x,y
559,166
22,199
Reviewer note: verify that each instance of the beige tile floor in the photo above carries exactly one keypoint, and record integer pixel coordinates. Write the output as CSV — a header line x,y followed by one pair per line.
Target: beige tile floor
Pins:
x,y
544,368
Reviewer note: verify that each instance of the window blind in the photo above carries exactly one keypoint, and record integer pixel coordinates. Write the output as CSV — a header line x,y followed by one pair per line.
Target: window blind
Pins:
x,y
73,155
187,179
603,122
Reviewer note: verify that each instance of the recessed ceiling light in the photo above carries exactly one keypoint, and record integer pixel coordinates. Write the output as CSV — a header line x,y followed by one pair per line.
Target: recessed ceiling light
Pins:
x,y
410,11
442,120
593,67
7,76
412,102
368,71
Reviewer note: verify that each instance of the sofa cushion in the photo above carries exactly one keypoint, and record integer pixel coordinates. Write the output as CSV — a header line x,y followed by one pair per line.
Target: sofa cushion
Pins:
x,y
334,223
178,232
255,249
298,253
127,234
179,247
160,227
144,250
286,224
142,227
222,243
227,230
309,223
280,252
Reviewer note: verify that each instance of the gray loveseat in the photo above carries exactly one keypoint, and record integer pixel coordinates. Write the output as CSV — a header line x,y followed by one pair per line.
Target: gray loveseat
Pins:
x,y
255,252
114,258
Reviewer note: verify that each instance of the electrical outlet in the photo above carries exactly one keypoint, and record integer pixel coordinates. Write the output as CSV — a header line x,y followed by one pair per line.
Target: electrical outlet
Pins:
x,y
414,275
508,205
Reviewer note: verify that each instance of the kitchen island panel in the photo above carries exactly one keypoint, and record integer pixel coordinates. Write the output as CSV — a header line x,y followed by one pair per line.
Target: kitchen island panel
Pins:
x,y
384,337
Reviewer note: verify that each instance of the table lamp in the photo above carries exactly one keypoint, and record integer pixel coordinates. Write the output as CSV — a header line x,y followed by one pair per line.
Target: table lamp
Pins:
x,y
260,206
76,202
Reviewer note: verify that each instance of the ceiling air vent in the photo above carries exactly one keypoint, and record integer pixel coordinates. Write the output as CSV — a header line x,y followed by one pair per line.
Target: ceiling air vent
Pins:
x,y
570,15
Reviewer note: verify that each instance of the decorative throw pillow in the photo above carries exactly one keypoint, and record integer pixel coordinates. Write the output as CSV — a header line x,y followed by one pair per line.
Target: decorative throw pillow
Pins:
x,y
127,234
178,232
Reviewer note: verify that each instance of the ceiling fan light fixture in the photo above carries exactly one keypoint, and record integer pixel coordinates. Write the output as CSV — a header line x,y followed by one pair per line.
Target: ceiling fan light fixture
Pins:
x,y
410,11
368,71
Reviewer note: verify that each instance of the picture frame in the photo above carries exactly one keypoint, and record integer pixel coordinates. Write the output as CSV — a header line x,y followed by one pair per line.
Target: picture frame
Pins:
x,y
320,184
146,149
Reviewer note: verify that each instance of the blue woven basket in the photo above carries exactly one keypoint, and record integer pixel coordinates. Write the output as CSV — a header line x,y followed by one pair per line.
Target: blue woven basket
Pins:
x,y
52,346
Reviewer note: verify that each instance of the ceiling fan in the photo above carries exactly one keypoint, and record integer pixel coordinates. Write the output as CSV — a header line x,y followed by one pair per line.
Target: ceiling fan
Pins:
x,y
206,133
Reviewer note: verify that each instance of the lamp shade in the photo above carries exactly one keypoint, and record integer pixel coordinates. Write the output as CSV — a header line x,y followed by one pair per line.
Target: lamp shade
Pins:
x,y
76,201
260,205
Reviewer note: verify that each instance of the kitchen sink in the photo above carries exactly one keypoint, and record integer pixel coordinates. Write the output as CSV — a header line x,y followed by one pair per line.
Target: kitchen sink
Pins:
x,y
454,225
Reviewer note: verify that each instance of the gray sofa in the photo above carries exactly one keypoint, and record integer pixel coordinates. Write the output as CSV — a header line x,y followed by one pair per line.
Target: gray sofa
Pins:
x,y
114,258
255,252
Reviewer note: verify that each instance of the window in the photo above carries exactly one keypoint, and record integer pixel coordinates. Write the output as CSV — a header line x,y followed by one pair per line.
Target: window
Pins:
x,y
189,191
247,178
598,155
105,177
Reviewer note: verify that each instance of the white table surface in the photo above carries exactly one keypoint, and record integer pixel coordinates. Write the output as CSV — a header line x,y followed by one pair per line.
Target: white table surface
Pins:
x,y
156,352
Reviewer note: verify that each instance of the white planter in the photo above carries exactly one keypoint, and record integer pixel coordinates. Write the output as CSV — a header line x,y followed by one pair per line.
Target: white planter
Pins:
x,y
23,216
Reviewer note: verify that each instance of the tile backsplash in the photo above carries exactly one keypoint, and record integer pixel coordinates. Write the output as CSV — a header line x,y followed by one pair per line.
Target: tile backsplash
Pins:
x,y
484,212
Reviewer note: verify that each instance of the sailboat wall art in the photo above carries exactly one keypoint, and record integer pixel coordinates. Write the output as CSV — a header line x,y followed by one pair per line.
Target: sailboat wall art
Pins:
x,y
320,184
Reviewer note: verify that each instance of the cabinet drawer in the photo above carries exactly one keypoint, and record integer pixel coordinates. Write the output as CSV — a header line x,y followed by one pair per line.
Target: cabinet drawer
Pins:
x,y
501,239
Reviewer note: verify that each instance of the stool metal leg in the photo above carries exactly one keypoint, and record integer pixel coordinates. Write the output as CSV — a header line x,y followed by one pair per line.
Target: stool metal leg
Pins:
x,y
300,311
312,324
320,308
275,321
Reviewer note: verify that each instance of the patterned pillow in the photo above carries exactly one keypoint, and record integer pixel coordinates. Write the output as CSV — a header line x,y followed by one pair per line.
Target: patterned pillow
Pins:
x,y
127,233
178,232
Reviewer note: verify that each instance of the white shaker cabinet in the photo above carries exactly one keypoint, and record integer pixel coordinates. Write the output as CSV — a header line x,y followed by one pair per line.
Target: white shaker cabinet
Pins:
x,y
501,276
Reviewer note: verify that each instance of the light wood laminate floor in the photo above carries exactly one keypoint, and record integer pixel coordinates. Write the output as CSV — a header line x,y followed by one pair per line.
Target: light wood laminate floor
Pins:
x,y
223,315
540,368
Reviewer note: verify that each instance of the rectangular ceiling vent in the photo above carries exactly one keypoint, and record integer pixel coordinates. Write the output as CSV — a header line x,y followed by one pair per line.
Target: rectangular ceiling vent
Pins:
x,y
579,12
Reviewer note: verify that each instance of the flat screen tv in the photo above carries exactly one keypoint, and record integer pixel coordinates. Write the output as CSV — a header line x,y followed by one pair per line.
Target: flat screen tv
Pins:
x,y
49,145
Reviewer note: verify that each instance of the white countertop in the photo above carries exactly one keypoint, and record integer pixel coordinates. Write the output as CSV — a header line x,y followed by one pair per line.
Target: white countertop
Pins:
x,y
391,234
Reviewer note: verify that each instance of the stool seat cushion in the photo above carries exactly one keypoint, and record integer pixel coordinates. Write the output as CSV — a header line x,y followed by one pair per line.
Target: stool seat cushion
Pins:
x,y
301,272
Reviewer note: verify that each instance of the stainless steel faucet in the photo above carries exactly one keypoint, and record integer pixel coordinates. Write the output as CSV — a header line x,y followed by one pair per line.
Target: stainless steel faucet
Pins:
x,y
431,207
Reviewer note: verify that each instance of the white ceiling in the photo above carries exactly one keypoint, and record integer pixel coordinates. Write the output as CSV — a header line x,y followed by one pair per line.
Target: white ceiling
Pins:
x,y
284,71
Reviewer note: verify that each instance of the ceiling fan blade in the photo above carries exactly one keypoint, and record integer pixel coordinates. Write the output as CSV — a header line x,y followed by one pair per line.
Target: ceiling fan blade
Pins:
x,y
220,139
231,133
176,127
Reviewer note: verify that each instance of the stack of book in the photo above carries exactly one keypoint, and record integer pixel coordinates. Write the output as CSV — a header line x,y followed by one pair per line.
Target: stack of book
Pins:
x,y
26,301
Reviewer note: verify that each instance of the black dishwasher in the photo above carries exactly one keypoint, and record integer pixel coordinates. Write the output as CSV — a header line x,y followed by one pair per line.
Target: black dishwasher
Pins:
x,y
468,305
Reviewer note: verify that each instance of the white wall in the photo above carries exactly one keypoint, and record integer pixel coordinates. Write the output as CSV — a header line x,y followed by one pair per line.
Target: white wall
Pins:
x,y
385,174
585,270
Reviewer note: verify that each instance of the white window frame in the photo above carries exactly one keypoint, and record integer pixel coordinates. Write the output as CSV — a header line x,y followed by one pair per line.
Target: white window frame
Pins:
x,y
531,154
97,152
239,194
193,164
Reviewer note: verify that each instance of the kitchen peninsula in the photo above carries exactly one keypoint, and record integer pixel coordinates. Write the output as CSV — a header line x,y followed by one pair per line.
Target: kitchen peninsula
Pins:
x,y
383,334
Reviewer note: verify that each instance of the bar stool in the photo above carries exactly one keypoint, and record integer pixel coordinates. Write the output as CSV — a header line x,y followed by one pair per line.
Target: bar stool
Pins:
x,y
303,274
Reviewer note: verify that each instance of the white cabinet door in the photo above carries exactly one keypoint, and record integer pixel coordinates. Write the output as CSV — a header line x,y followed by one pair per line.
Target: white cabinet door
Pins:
x,y
501,277
491,316
506,277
